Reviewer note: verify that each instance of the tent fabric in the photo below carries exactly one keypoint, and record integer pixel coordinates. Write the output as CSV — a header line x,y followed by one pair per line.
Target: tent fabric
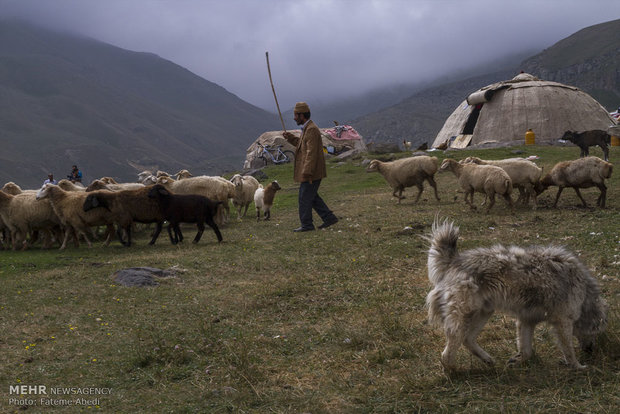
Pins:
x,y
343,133
548,108
350,139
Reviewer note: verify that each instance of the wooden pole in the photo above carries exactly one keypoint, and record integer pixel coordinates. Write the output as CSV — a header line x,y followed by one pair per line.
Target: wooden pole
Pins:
x,y
274,91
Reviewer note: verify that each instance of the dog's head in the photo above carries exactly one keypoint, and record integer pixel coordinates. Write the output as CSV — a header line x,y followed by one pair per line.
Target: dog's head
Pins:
x,y
593,321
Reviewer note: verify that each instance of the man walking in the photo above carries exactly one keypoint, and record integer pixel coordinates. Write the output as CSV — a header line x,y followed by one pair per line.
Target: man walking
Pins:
x,y
309,170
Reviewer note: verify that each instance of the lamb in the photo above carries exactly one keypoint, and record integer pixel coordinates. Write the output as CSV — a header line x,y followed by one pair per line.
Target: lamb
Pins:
x,y
22,214
185,208
263,199
68,207
587,139
524,174
102,185
126,207
214,188
407,172
487,179
581,173
245,188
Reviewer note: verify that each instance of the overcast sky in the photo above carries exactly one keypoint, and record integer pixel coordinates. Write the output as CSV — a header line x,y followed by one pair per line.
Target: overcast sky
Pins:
x,y
319,48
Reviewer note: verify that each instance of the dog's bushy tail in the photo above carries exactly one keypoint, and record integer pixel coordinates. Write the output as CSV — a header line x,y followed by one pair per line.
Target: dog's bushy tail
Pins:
x,y
443,239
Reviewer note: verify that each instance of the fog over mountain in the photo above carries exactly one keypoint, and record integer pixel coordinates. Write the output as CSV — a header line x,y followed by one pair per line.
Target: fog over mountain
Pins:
x,y
319,49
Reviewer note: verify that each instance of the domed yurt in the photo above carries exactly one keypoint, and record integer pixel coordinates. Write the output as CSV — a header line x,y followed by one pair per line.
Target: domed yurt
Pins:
x,y
504,111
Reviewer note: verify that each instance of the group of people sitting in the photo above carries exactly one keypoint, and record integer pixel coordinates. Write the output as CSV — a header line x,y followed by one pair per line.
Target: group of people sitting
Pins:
x,y
75,176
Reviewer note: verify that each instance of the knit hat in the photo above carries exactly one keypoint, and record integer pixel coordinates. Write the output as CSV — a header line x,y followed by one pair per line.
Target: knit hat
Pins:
x,y
301,108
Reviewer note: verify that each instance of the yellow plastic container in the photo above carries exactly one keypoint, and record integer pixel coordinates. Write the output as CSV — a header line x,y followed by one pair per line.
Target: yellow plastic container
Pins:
x,y
615,141
530,137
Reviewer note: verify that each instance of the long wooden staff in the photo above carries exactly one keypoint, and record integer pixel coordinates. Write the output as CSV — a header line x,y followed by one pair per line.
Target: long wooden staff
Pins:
x,y
274,91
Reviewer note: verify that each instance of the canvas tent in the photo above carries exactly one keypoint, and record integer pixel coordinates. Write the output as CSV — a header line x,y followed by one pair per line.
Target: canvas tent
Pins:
x,y
338,139
503,112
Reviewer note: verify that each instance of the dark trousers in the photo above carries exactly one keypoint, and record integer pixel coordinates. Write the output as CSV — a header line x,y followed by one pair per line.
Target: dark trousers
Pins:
x,y
309,199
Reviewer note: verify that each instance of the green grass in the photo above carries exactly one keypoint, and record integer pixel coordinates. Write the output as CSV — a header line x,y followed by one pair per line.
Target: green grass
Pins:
x,y
326,321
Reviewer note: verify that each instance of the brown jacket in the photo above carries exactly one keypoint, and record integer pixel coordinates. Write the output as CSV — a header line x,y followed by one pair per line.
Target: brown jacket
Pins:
x,y
309,158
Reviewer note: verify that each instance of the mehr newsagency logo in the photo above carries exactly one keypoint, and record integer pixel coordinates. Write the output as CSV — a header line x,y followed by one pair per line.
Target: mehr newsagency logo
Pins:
x,y
42,395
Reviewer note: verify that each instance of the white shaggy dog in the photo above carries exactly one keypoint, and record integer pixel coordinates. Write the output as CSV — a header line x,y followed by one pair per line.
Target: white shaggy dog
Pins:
x,y
533,284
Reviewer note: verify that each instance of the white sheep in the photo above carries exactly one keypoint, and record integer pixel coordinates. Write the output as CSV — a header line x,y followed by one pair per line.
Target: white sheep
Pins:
x,y
524,174
214,188
245,188
11,188
263,199
142,176
580,173
68,206
486,179
183,174
101,185
70,186
407,172
22,214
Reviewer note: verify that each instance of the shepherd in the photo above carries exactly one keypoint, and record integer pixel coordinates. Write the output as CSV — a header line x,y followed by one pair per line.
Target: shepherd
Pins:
x,y
309,170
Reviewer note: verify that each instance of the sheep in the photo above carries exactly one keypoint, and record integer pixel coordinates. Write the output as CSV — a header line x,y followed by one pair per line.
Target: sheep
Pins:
x,y
587,139
68,207
214,188
407,145
126,207
487,179
407,172
14,189
581,173
101,185
70,186
11,188
524,174
142,176
185,208
108,180
263,199
183,174
22,214
245,187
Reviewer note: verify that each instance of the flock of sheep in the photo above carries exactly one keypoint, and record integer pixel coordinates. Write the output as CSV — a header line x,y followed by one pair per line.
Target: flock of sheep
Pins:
x,y
68,210
496,177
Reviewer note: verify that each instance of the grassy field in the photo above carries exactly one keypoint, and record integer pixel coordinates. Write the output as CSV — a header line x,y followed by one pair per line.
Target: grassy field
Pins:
x,y
331,321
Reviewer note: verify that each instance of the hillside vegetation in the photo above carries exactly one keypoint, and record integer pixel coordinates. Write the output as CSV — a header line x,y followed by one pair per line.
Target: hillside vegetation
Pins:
x,y
70,100
329,321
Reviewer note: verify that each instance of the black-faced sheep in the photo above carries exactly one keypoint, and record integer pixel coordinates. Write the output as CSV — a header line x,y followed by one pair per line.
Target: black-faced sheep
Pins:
x,y
263,199
407,172
486,179
581,173
587,139
524,174
185,208
245,188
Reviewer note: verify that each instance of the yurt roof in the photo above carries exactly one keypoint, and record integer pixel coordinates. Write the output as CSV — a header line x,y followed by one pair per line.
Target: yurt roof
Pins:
x,y
506,110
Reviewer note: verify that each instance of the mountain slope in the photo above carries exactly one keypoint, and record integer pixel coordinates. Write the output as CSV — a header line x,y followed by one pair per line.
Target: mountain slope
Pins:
x,y
67,100
588,59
